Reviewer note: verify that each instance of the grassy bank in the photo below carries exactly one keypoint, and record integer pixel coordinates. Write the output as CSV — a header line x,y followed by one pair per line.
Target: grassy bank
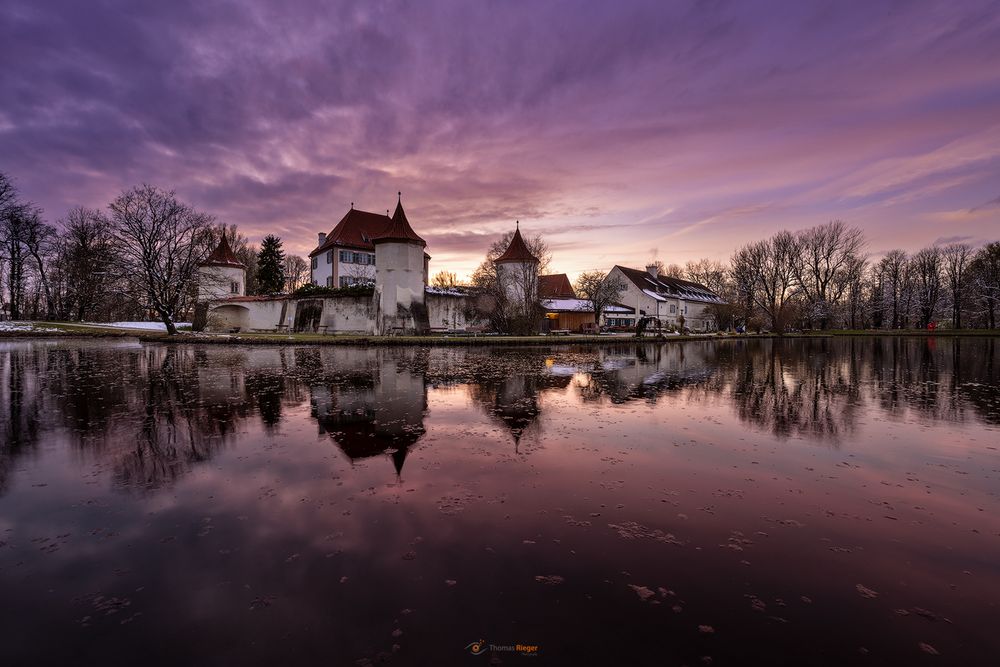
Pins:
x,y
68,329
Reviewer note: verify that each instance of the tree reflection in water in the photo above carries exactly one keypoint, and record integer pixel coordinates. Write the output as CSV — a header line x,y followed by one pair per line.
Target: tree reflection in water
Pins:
x,y
152,412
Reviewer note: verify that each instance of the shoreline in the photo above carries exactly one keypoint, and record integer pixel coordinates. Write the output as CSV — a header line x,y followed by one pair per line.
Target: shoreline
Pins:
x,y
59,331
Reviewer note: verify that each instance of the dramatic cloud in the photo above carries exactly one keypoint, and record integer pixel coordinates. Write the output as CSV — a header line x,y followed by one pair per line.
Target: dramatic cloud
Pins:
x,y
613,128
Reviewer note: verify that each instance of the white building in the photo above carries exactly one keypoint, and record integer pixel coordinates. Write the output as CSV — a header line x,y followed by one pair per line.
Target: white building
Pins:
x,y
517,272
222,275
669,300
346,256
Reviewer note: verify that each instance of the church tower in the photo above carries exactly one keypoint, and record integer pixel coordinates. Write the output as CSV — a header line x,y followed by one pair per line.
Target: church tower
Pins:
x,y
400,277
517,271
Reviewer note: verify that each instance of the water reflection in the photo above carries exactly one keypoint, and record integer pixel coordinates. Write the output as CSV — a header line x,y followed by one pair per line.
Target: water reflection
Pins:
x,y
156,411
805,499
374,405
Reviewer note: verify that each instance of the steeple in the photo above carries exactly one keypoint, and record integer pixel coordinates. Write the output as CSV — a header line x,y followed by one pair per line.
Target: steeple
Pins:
x,y
517,250
399,228
223,255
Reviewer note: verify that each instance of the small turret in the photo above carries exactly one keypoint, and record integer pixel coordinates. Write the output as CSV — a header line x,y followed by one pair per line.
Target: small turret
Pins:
x,y
222,275
517,271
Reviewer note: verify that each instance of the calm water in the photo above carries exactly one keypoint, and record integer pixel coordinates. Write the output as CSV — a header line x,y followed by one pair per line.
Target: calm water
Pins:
x,y
795,502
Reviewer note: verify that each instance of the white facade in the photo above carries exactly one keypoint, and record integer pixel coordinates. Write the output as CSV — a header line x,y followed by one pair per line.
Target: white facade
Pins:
x,y
399,283
342,267
519,281
650,300
220,282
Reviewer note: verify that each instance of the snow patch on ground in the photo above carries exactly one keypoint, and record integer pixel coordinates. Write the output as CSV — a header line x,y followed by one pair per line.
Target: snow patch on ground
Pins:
x,y
145,326
23,326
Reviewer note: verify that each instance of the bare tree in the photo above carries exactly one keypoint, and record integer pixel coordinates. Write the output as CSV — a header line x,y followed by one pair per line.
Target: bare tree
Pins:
x,y
360,274
892,268
956,258
926,275
668,270
40,243
158,242
765,272
13,252
710,273
296,272
985,269
827,260
445,279
85,260
600,289
495,304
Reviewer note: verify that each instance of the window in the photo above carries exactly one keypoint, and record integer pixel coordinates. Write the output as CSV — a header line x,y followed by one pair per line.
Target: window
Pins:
x,y
685,309
673,308
329,281
234,288
345,281
314,262
329,257
345,256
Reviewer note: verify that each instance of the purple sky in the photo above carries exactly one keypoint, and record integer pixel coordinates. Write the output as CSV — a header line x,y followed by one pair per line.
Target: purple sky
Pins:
x,y
621,130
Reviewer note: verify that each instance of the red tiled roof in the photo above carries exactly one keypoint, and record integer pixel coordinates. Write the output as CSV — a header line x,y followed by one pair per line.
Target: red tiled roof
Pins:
x,y
517,251
223,255
399,229
355,230
555,286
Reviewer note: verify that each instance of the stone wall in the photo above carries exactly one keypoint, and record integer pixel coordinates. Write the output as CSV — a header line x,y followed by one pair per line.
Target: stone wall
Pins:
x,y
341,314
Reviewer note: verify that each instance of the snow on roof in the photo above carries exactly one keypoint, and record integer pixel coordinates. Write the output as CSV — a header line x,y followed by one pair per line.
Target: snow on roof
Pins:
x,y
650,293
581,306
444,291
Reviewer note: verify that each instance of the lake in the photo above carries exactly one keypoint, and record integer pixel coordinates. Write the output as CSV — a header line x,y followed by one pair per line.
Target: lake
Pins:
x,y
801,501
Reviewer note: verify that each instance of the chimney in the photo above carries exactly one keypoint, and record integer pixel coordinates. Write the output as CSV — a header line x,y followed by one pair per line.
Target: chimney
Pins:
x,y
652,270
322,238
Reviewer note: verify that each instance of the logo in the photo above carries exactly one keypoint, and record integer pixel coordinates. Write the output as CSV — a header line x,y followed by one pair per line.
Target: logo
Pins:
x,y
477,648
480,647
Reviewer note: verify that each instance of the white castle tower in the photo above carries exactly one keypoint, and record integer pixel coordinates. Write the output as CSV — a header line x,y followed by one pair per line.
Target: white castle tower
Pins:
x,y
517,271
222,275
400,277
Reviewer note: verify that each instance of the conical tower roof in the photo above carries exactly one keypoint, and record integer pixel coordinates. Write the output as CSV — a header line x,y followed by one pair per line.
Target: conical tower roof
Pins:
x,y
399,228
517,251
223,255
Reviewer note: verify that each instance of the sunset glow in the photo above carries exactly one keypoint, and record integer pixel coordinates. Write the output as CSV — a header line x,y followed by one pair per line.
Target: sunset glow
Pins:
x,y
622,132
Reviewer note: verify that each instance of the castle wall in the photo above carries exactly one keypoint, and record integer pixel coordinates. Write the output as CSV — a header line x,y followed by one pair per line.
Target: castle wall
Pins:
x,y
446,312
348,314
343,314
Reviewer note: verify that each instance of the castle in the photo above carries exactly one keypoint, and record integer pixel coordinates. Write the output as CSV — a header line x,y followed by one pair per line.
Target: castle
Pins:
x,y
387,260
363,249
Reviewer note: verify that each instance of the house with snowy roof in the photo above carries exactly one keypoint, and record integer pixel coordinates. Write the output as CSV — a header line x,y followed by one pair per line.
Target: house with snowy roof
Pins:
x,y
672,301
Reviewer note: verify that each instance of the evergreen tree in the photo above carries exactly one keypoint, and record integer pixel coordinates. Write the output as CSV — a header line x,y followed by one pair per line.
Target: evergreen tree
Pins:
x,y
270,266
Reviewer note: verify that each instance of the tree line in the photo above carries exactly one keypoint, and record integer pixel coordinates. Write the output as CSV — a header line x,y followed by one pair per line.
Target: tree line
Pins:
x,y
136,260
824,278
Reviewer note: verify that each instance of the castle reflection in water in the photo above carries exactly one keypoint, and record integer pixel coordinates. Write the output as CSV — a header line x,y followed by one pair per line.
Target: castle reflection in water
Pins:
x,y
152,412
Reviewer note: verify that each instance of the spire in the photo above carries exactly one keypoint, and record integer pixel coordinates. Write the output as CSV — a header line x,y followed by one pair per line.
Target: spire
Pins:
x,y
223,255
399,227
517,251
